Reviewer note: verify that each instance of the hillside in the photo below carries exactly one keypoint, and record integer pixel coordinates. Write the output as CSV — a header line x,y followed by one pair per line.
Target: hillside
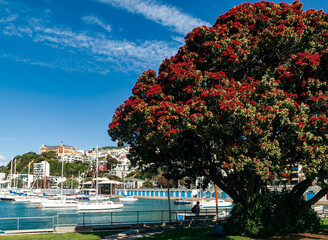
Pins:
x,y
55,166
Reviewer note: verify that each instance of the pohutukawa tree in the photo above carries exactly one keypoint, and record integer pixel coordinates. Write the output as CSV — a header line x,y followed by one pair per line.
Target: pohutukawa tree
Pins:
x,y
242,103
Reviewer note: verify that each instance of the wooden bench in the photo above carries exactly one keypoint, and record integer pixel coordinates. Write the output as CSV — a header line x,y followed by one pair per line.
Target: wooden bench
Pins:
x,y
191,217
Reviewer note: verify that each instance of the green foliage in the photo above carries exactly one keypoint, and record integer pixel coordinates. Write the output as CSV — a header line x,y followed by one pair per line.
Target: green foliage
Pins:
x,y
70,169
148,184
144,174
271,214
112,147
240,104
112,161
49,155
71,183
114,177
130,174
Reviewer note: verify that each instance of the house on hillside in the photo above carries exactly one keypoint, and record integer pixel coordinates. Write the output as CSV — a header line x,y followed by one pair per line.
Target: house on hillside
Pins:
x,y
69,153
58,149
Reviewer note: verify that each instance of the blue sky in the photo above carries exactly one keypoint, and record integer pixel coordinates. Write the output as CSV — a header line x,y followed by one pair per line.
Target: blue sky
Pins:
x,y
65,65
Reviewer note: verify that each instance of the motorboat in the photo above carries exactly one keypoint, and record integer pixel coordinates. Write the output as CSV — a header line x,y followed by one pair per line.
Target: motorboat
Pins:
x,y
82,197
128,199
106,205
212,204
98,198
8,198
21,199
35,200
182,201
58,203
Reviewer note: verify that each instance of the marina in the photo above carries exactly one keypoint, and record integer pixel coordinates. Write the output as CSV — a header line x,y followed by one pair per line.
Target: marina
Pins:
x,y
18,215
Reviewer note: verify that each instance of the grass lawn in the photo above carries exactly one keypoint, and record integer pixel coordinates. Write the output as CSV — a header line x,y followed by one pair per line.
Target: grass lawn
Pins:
x,y
204,233
324,224
59,236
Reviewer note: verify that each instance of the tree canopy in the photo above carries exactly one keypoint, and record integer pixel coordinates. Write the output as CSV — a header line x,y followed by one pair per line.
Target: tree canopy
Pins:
x,y
241,103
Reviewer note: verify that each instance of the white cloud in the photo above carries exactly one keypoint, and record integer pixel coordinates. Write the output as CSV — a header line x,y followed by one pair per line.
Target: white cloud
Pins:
x,y
178,39
2,158
97,21
80,50
163,14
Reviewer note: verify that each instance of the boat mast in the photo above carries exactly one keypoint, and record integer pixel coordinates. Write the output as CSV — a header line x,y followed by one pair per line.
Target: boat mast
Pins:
x,y
11,171
44,177
15,174
97,171
62,173
28,177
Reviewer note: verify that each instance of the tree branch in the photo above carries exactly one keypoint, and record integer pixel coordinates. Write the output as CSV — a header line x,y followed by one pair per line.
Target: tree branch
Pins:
x,y
315,199
301,187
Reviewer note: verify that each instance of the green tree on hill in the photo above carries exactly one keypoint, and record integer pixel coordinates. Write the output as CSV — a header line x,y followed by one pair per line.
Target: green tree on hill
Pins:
x,y
242,103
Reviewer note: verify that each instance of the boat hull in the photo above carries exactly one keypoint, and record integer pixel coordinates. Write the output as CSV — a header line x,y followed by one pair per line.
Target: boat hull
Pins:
x,y
128,199
212,204
98,206
58,204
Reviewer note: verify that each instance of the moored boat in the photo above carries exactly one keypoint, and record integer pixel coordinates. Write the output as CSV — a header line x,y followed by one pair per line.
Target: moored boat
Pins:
x,y
182,201
60,203
212,203
8,198
98,198
106,205
128,199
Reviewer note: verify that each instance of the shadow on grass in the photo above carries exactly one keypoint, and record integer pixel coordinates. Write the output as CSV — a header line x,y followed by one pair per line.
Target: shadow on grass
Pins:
x,y
204,233
60,236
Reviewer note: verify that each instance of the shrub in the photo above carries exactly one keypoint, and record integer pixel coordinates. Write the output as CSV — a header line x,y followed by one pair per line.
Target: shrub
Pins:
x,y
271,214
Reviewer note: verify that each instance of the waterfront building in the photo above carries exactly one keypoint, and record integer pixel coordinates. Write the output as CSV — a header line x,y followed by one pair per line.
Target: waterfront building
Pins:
x,y
132,182
105,186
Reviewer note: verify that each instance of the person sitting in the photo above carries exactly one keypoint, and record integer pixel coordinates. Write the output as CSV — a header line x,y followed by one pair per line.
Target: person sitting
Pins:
x,y
197,209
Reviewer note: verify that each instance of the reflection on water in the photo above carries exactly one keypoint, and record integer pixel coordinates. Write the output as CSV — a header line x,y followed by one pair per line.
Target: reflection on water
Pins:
x,y
30,217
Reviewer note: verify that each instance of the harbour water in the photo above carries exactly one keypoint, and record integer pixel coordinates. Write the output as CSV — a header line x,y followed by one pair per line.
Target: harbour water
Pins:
x,y
26,216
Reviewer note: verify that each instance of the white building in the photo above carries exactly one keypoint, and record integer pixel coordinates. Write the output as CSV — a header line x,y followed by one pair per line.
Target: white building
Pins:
x,y
123,168
2,176
71,157
41,169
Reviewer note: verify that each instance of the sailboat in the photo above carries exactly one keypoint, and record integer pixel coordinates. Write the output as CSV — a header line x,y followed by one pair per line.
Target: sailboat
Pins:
x,y
61,201
103,205
9,196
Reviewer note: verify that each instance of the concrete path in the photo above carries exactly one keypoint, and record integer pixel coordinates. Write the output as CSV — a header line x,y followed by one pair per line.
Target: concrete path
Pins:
x,y
146,231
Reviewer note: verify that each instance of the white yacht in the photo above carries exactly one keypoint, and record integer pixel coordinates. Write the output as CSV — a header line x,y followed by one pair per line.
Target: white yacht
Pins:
x,y
212,204
98,205
58,203
106,205
98,198
128,199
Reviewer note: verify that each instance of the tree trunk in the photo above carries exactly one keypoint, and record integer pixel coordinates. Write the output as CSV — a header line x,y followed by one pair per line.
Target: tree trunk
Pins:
x,y
315,199
301,187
